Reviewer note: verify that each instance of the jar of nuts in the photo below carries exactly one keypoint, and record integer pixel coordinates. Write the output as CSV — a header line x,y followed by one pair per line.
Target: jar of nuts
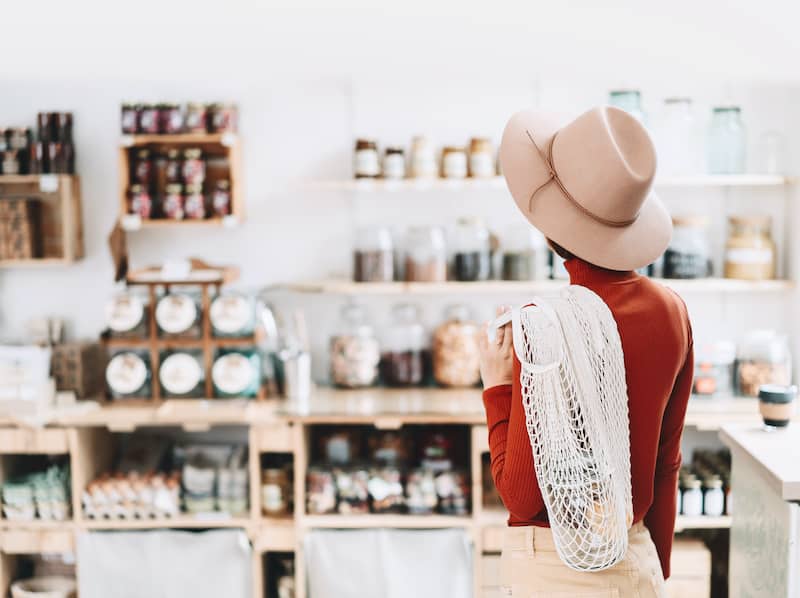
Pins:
x,y
355,354
763,357
455,349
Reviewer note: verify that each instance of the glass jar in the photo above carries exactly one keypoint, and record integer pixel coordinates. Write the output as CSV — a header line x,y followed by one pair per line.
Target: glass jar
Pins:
x,y
688,254
692,497
128,119
143,168
196,120
173,167
373,256
524,254
355,353
750,250
194,167
405,354
140,202
320,491
232,314
177,314
126,315
221,199
455,349
481,158
172,207
629,100
726,141
763,357
394,163
352,490
223,118
11,162
713,496
148,119
236,373
181,374
194,202
714,369
128,375
677,138
170,119
425,255
454,162
366,163
471,250
275,492
423,159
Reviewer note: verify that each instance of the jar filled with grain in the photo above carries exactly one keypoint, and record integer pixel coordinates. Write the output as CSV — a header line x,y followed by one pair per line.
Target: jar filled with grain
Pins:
x,y
763,357
425,254
355,353
750,250
455,349
373,256
405,355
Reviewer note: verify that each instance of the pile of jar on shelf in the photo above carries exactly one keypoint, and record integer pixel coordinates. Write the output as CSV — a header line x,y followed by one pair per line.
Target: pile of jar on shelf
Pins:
x,y
50,151
704,488
191,479
392,479
477,160
171,118
41,495
749,251
172,185
235,371
723,368
405,355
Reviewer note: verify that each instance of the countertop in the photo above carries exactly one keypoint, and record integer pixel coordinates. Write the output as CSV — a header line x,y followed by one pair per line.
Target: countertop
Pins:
x,y
776,454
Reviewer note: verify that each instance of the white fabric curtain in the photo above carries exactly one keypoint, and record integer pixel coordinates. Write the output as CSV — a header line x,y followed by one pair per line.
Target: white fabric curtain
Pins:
x,y
164,564
385,563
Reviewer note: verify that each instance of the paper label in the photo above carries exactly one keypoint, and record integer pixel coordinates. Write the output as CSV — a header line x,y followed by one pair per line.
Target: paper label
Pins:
x,y
230,313
232,373
126,373
176,313
749,256
366,163
180,373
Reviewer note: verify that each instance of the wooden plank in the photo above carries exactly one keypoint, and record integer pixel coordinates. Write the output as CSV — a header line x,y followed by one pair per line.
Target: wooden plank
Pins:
x,y
211,521
399,521
275,536
275,438
92,453
47,441
179,138
37,541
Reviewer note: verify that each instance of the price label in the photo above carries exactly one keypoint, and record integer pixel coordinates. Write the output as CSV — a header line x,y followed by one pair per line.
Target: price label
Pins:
x,y
131,222
48,183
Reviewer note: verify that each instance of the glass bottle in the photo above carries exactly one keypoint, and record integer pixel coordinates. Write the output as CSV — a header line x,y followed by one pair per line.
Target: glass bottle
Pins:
x,y
425,254
676,143
455,349
355,353
692,499
629,100
688,254
471,250
373,257
726,141
405,352
524,254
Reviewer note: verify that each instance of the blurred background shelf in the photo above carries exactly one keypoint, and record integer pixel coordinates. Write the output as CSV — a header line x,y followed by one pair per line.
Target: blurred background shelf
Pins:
x,y
399,521
182,521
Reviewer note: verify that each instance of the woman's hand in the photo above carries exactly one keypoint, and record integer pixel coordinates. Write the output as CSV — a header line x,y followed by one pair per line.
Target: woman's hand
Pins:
x,y
496,358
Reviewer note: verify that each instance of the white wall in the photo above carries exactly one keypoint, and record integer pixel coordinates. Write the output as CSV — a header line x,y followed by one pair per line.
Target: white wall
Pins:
x,y
309,76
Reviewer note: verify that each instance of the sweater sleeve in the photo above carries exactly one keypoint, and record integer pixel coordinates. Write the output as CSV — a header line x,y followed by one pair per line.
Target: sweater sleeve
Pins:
x,y
660,519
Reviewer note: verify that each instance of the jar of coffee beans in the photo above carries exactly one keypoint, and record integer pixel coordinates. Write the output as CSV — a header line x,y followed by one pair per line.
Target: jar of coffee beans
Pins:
x,y
455,349
354,350
405,348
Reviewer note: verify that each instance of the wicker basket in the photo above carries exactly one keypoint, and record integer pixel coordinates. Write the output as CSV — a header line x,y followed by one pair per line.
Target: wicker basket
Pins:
x,y
44,587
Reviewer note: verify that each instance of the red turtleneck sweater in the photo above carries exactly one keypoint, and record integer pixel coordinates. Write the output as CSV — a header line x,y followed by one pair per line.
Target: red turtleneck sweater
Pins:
x,y
657,342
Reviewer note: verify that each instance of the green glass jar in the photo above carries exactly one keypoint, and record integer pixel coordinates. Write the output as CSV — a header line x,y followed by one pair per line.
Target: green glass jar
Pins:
x,y
232,314
236,373
181,374
128,375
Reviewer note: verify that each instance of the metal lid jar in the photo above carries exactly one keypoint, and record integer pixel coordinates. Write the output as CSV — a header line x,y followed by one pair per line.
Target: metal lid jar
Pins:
x,y
178,314
128,375
366,162
455,349
126,315
181,374
354,350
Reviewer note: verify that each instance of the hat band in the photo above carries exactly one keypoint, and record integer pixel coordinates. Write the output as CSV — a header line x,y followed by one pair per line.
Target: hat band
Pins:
x,y
547,158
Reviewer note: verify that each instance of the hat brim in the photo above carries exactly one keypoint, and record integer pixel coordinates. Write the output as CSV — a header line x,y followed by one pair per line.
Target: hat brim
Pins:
x,y
615,248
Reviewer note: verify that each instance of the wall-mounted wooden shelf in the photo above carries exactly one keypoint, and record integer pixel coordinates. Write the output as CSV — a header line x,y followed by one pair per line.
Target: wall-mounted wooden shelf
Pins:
x,y
399,521
183,521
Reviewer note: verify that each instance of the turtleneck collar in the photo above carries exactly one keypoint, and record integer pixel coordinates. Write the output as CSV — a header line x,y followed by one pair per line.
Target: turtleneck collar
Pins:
x,y
584,273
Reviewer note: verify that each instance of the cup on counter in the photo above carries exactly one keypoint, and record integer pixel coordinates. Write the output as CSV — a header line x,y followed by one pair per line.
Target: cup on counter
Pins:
x,y
777,404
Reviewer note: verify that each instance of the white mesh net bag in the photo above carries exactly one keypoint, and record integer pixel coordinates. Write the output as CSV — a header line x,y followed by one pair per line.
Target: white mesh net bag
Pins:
x,y
576,407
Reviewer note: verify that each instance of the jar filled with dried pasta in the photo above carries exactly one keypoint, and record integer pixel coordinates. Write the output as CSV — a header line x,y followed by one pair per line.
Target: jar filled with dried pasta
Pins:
x,y
763,357
750,250
455,349
355,353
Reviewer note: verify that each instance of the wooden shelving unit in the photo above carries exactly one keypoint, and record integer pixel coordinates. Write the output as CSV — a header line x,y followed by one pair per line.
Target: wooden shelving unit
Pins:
x,y
61,217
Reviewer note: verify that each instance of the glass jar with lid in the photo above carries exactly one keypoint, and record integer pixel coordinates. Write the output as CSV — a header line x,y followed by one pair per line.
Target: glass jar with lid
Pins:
x,y
454,162
178,314
423,159
629,100
181,374
172,167
172,206
275,492
355,353
455,349
193,168
232,314
236,373
727,141
763,357
126,315
750,250
714,368
676,138
471,250
196,120
128,375
139,202
524,254
366,162
394,163
405,354
223,117
688,254
373,256
425,254
481,158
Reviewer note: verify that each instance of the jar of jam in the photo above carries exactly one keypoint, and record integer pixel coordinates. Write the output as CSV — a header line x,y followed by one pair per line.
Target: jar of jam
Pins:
x,y
405,348
148,119
481,158
455,349
194,167
454,163
196,118
366,163
472,250
129,119
394,163
232,314
236,373
139,202
221,199
143,168
181,374
173,167
194,203
750,250
170,119
177,314
223,118
173,202
128,375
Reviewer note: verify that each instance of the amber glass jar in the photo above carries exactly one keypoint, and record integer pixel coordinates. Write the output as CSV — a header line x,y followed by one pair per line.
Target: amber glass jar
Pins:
x,y
750,250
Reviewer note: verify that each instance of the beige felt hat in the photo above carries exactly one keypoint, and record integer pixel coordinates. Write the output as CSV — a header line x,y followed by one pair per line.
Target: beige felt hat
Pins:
x,y
586,184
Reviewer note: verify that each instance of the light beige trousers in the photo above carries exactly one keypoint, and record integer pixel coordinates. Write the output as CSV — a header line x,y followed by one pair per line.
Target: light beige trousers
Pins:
x,y
531,568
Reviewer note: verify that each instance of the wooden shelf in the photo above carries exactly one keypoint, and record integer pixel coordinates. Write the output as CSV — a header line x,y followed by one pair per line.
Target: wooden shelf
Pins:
x,y
39,262
37,540
399,521
131,222
179,139
505,287
684,522
182,521
30,441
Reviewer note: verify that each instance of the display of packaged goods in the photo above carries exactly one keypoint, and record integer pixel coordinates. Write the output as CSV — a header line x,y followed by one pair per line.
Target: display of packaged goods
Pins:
x,y
178,314
405,351
425,254
471,251
352,490
171,118
385,489
276,492
41,495
688,254
126,315
373,255
320,492
714,368
524,254
750,251
50,151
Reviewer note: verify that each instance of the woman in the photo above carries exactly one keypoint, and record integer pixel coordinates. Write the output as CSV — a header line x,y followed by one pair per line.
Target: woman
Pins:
x,y
586,186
